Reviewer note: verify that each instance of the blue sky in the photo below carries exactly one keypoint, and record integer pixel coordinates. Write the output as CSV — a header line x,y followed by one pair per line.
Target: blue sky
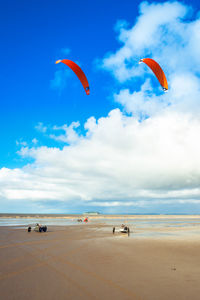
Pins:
x,y
103,140
34,34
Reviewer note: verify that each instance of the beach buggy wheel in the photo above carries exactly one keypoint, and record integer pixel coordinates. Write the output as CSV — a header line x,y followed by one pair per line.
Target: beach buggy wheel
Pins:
x,y
113,230
29,229
45,228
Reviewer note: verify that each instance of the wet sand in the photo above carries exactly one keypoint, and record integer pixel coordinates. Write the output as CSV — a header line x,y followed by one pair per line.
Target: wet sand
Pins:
x,y
87,262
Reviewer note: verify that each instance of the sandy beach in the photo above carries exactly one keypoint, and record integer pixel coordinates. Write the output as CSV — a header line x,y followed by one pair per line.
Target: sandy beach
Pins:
x,y
87,262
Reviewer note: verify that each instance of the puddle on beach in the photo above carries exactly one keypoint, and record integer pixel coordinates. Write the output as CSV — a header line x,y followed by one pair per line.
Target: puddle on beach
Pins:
x,y
152,234
139,227
142,223
151,228
157,234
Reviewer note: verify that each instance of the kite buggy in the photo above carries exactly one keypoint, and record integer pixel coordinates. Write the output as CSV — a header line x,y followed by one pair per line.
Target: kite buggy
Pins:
x,y
38,228
122,229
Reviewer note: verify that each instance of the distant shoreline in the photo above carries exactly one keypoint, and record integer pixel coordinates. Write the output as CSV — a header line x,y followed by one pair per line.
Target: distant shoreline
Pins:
x,y
100,216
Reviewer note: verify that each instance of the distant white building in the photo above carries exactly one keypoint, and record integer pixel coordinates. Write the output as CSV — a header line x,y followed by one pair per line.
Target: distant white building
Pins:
x,y
91,213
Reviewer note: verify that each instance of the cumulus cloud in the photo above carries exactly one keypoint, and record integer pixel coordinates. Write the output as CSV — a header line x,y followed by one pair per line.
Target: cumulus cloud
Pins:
x,y
120,161
142,157
70,135
158,31
164,33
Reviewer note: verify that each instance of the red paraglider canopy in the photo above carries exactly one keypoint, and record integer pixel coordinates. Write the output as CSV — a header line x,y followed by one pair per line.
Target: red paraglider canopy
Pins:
x,y
155,67
79,73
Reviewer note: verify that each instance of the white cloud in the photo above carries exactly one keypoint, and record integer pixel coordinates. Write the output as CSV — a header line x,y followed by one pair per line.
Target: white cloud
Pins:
x,y
40,127
121,159
159,31
164,33
34,141
21,143
70,136
151,156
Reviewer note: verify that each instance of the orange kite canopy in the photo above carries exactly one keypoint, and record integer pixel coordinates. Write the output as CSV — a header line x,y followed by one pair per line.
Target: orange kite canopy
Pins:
x,y
79,73
155,67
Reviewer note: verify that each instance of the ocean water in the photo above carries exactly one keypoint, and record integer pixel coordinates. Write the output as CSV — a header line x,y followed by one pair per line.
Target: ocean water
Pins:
x,y
153,223
32,221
